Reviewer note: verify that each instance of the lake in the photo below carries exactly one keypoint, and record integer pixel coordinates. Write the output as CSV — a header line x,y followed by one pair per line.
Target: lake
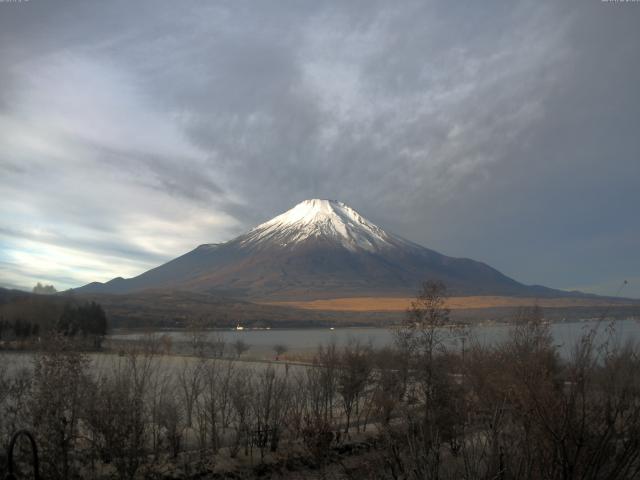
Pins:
x,y
565,335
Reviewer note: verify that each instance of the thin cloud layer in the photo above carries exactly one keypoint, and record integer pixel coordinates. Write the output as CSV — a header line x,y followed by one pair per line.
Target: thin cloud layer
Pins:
x,y
132,132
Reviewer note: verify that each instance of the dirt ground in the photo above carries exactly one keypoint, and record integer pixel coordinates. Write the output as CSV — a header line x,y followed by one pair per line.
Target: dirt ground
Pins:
x,y
397,304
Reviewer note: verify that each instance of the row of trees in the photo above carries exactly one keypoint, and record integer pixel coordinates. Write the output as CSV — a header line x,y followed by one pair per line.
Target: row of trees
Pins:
x,y
86,320
510,411
142,409
18,328
515,410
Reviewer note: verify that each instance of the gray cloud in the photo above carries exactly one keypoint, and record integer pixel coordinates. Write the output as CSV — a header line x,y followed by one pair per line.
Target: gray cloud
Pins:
x,y
504,132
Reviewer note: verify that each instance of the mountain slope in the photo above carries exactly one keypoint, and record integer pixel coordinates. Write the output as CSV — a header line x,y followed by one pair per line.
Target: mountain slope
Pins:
x,y
319,249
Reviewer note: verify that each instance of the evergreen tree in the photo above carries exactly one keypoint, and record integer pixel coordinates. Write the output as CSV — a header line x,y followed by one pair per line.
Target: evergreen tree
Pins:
x,y
88,319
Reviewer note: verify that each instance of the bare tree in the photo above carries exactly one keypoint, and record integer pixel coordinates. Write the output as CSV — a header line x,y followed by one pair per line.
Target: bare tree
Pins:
x,y
15,401
240,396
354,375
270,402
171,420
159,395
322,385
218,345
215,401
386,395
166,343
279,350
59,381
298,399
116,418
240,347
421,342
422,333
190,383
196,335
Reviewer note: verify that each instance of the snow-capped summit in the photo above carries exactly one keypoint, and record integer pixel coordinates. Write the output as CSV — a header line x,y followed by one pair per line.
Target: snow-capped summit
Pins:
x,y
320,219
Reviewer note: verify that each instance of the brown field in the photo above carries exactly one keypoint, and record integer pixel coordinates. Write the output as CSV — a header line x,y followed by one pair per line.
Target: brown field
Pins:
x,y
397,304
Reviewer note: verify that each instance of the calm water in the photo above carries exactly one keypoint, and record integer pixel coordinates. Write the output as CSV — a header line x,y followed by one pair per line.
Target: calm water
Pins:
x,y
565,335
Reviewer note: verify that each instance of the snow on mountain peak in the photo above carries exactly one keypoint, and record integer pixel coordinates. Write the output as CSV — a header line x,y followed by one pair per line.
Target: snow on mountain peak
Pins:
x,y
318,218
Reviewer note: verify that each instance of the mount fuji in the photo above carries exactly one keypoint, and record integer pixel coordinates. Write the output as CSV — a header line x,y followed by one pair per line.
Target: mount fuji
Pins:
x,y
319,249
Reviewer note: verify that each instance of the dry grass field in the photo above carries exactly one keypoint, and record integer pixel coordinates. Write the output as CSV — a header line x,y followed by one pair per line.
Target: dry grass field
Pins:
x,y
397,304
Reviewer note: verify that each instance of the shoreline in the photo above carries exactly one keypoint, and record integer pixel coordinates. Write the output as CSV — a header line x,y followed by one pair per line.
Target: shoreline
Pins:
x,y
480,323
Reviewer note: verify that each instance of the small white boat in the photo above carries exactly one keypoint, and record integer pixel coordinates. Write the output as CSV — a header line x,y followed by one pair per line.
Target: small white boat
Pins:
x,y
239,327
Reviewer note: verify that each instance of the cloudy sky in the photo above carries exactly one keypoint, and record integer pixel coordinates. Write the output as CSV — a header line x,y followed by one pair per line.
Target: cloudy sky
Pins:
x,y
133,131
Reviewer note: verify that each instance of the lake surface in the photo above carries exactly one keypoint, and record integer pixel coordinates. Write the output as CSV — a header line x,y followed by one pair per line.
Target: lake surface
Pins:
x,y
565,335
